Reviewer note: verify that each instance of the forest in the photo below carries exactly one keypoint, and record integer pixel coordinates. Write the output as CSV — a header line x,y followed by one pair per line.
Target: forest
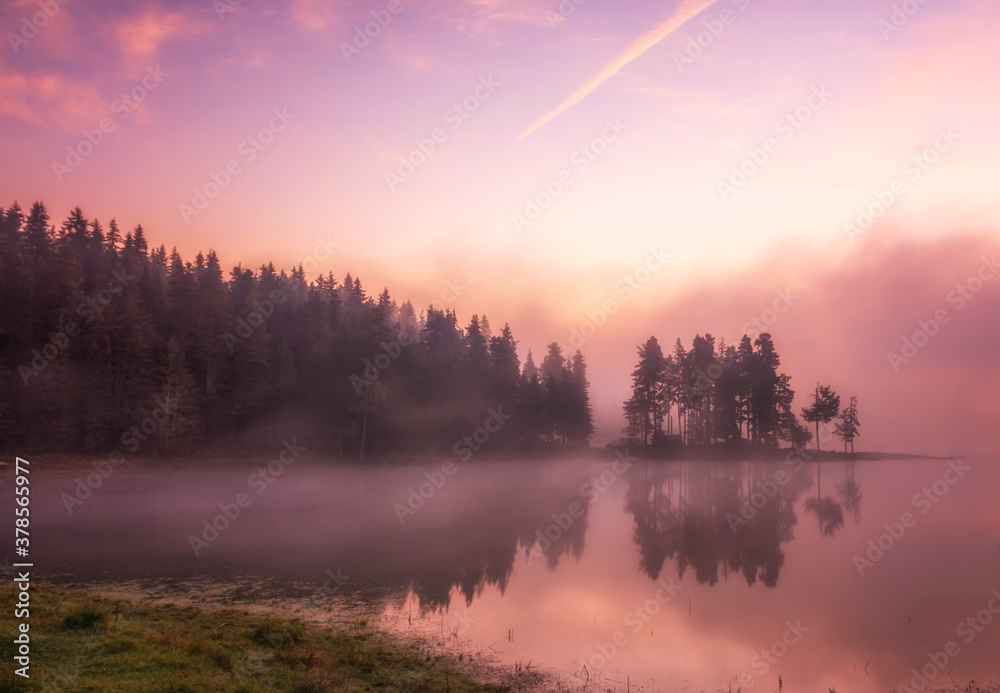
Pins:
x,y
107,343
719,394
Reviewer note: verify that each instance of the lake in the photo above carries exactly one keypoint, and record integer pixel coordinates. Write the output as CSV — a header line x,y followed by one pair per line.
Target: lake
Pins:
x,y
649,576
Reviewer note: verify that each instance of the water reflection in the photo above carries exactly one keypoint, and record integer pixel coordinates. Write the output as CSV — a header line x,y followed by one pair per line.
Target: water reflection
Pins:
x,y
465,536
714,517
849,492
529,548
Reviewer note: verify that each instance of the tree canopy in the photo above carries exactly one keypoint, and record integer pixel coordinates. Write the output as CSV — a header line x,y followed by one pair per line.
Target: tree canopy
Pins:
x,y
100,333
718,393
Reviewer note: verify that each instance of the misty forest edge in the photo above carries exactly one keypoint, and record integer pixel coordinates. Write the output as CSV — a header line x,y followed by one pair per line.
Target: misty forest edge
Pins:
x,y
108,345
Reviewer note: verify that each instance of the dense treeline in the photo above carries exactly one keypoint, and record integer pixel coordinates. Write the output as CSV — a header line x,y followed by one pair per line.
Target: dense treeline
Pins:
x,y
719,393
106,343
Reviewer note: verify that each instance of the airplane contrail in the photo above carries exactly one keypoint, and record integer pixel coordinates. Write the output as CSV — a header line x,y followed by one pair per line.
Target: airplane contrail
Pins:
x,y
682,13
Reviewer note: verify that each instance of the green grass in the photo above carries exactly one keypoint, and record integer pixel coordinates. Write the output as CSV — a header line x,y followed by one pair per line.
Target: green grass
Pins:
x,y
84,644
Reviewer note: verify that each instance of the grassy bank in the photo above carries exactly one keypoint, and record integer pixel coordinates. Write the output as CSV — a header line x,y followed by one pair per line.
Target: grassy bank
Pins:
x,y
81,643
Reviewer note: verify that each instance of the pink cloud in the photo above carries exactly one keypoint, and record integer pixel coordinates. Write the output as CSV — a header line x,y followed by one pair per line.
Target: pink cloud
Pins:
x,y
487,20
852,312
851,307
316,15
49,98
140,38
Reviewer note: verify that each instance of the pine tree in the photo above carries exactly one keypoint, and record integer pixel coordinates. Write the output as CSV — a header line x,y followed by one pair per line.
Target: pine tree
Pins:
x,y
726,379
699,387
765,387
848,426
554,389
580,417
647,407
505,369
675,379
114,238
211,324
37,238
179,400
824,408
476,349
745,366
533,420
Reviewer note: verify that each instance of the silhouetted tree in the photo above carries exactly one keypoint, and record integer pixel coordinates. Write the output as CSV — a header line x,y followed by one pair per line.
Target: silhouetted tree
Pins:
x,y
768,391
719,391
533,421
647,408
825,406
793,430
580,419
98,329
848,426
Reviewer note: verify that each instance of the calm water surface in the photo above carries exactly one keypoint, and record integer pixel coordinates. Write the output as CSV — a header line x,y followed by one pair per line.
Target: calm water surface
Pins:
x,y
662,575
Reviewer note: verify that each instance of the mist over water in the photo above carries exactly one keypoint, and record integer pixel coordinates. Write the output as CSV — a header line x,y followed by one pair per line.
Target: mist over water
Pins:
x,y
673,575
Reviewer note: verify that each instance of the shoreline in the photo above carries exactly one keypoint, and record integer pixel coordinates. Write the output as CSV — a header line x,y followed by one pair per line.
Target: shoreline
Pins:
x,y
183,636
76,461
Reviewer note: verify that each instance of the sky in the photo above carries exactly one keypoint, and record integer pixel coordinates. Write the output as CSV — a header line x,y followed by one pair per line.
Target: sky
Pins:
x,y
692,165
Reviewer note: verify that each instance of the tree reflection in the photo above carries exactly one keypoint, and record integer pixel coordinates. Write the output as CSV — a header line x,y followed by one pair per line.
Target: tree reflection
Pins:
x,y
829,514
465,538
850,492
715,518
